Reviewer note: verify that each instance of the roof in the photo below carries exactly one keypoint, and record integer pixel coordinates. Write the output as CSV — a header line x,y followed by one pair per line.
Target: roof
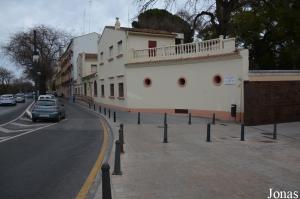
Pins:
x,y
144,30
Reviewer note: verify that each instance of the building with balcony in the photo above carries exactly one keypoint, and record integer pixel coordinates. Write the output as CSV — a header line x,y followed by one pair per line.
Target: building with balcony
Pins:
x,y
143,70
68,61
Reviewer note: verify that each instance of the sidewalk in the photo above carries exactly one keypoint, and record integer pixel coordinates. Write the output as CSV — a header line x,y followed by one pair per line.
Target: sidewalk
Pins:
x,y
189,167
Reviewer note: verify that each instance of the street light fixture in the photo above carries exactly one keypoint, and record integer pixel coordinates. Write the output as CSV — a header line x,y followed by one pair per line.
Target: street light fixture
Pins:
x,y
35,59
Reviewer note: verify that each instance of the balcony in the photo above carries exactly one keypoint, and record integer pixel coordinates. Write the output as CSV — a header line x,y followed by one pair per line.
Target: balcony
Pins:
x,y
183,51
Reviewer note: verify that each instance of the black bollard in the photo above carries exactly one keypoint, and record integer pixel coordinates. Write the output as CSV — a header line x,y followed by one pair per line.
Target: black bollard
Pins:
x,y
104,111
139,118
108,113
117,168
106,189
165,118
122,127
275,132
165,133
94,107
214,119
208,133
242,132
114,116
99,109
121,138
190,118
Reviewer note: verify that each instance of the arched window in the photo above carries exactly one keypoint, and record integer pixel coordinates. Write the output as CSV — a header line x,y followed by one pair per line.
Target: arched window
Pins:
x,y
95,89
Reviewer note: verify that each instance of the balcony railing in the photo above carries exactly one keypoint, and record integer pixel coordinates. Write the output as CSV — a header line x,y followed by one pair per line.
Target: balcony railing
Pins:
x,y
195,49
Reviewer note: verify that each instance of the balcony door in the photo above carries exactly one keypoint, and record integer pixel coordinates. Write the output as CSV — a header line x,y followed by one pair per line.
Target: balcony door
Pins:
x,y
152,48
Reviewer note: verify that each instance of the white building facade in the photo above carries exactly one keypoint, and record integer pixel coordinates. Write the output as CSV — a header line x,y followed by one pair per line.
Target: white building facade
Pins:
x,y
144,71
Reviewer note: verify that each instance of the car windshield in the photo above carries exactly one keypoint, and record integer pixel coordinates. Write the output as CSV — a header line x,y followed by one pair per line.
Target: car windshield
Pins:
x,y
6,96
45,103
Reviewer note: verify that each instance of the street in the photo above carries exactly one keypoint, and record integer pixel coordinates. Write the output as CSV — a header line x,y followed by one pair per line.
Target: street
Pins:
x,y
8,113
51,160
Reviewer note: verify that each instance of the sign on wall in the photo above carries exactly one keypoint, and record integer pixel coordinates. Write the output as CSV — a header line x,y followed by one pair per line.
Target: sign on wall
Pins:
x,y
229,80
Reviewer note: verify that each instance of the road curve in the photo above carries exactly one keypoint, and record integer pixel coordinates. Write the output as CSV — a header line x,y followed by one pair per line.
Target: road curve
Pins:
x,y
53,162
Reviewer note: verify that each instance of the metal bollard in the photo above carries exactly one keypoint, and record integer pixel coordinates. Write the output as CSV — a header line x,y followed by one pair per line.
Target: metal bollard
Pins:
x,y
108,113
214,119
165,118
99,109
190,118
275,132
94,107
106,188
139,118
121,138
165,133
117,168
114,116
104,111
242,132
122,127
208,133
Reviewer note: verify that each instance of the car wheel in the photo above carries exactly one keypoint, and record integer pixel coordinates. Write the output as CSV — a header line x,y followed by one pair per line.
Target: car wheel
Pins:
x,y
58,118
33,119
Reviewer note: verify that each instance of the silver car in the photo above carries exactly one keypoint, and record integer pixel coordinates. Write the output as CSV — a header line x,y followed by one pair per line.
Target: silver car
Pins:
x,y
7,99
20,97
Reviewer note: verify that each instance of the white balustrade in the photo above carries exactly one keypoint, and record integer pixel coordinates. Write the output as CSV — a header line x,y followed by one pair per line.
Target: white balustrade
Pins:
x,y
195,49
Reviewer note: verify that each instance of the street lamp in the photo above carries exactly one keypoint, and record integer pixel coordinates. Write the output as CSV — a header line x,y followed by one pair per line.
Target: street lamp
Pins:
x,y
35,59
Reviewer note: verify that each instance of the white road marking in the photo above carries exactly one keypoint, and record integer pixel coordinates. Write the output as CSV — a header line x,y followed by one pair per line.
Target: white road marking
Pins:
x,y
25,119
5,130
18,116
25,125
1,138
30,131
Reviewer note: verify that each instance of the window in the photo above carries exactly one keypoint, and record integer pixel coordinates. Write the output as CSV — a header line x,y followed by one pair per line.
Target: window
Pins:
x,y
93,68
121,90
102,90
120,47
85,91
95,89
111,49
147,82
181,82
217,80
112,90
101,56
152,51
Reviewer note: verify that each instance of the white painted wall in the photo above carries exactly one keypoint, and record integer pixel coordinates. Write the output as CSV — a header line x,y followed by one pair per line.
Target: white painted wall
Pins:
x,y
200,93
85,43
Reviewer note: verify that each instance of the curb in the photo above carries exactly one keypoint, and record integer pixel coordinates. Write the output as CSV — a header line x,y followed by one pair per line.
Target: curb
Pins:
x,y
111,131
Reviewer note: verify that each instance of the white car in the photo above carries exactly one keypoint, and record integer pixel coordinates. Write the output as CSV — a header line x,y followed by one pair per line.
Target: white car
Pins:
x,y
7,99
45,97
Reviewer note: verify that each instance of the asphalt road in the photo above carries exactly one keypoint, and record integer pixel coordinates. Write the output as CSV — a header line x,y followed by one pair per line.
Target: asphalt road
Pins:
x,y
53,162
8,113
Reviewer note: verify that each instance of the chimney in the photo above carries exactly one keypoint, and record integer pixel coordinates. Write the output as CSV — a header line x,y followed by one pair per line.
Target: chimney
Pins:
x,y
117,24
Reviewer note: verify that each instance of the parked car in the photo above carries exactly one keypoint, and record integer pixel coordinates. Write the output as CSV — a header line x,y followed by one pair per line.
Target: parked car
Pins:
x,y
7,99
48,109
20,97
48,96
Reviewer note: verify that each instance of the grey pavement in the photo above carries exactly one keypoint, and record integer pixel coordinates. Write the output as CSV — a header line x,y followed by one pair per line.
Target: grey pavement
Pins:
x,y
190,167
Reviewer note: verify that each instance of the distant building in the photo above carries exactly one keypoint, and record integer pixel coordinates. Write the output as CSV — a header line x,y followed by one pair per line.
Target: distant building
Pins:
x,y
68,62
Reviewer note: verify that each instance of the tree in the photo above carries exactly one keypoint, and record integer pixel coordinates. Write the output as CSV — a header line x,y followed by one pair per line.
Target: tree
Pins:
x,y
48,42
270,29
5,76
163,20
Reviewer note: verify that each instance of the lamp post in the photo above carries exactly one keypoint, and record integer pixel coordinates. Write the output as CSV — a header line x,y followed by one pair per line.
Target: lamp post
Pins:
x,y
35,59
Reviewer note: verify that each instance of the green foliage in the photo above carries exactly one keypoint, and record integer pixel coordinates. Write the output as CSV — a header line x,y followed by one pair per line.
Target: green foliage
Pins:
x,y
158,19
271,32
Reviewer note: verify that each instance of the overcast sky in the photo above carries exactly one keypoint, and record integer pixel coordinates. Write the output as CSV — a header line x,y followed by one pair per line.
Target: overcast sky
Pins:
x,y
74,16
